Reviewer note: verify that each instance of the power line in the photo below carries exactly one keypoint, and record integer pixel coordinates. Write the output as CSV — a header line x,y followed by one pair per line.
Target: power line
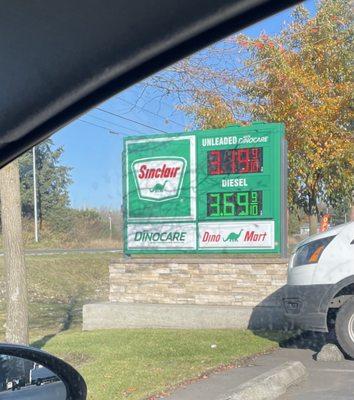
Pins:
x,y
108,129
103,127
111,122
150,112
131,120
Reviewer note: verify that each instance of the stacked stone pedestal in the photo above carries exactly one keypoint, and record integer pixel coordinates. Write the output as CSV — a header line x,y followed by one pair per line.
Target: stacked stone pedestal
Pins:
x,y
195,293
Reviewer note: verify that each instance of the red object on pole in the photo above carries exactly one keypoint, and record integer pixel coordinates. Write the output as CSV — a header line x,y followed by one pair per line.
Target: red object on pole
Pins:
x,y
325,223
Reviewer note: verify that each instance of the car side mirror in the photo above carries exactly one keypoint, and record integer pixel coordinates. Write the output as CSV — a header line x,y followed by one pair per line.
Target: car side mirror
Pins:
x,y
35,374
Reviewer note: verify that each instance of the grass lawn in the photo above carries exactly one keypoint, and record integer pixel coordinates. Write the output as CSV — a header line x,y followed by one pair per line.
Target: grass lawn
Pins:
x,y
134,364
58,286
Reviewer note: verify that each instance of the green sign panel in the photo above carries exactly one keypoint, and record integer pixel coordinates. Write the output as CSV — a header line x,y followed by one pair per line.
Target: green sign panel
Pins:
x,y
221,190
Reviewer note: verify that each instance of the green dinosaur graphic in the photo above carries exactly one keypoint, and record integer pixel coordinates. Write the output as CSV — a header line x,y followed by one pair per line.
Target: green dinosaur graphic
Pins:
x,y
158,187
233,236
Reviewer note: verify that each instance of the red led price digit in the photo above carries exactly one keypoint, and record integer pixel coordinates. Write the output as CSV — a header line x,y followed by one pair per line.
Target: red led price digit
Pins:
x,y
233,161
215,163
255,160
243,158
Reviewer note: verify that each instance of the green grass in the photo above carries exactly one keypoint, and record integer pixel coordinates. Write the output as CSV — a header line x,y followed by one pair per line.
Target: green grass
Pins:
x,y
58,286
133,364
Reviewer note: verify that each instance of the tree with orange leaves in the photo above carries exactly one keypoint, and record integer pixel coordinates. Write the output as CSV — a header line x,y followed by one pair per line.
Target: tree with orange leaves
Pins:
x,y
301,77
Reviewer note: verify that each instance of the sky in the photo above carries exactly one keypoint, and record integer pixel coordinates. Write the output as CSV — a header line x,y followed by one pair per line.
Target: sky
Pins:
x,y
93,143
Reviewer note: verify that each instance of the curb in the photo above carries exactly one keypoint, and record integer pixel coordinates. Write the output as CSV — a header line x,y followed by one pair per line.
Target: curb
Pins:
x,y
271,384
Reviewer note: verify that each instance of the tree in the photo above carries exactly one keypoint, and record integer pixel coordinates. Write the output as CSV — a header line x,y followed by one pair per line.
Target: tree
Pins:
x,y
301,77
15,268
52,182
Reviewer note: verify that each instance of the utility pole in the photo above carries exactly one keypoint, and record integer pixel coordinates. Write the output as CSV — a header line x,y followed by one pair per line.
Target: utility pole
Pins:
x,y
14,257
35,195
110,227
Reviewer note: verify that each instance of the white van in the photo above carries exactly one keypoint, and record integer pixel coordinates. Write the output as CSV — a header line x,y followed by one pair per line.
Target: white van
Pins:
x,y
321,285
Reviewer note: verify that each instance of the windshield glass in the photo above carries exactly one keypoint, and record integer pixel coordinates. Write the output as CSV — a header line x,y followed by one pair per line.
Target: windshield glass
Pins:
x,y
159,229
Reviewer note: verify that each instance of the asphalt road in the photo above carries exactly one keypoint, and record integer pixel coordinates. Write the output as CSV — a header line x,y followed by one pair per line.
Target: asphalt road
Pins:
x,y
50,391
46,252
326,380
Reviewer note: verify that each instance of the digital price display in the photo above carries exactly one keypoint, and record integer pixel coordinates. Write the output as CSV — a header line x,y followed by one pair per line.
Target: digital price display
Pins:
x,y
235,161
235,204
219,190
241,189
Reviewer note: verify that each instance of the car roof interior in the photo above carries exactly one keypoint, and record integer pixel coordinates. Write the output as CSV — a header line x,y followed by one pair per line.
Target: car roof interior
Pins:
x,y
60,58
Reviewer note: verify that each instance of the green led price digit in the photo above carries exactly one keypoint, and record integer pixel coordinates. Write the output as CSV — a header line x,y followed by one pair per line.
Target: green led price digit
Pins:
x,y
243,201
254,197
215,205
234,204
228,206
254,209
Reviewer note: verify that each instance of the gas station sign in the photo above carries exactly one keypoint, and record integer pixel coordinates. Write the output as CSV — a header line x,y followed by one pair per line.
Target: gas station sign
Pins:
x,y
220,190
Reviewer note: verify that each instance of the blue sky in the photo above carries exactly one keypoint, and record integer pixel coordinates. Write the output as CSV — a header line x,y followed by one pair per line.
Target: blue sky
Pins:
x,y
94,153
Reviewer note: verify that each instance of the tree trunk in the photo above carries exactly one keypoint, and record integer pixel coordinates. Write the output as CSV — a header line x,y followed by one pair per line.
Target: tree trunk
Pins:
x,y
15,269
313,224
351,215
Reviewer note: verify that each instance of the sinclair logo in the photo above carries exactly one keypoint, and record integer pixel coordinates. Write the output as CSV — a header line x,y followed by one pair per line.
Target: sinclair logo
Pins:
x,y
159,178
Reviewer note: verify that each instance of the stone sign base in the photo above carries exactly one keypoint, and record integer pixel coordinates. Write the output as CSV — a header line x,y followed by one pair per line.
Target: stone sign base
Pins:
x,y
177,316
191,293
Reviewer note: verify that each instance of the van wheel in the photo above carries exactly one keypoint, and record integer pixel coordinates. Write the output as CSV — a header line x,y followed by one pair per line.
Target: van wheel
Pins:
x,y
345,327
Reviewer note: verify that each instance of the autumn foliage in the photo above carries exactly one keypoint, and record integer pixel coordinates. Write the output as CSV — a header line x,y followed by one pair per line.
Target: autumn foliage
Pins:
x,y
301,77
